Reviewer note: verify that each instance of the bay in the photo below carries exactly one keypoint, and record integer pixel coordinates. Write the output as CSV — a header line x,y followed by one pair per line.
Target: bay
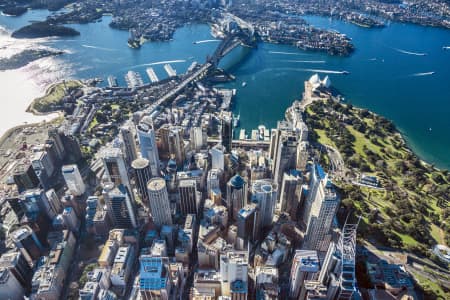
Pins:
x,y
400,72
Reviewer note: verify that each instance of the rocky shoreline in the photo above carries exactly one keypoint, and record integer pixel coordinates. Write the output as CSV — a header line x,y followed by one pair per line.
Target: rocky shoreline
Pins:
x,y
25,57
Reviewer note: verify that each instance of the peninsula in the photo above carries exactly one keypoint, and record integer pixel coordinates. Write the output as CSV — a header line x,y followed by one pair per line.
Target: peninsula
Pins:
x,y
23,58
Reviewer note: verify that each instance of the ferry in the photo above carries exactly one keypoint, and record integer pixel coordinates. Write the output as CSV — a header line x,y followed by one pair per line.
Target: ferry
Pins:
x,y
112,81
345,72
446,48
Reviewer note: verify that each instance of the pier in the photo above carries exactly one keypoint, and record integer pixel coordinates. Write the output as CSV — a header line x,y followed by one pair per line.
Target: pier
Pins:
x,y
170,71
152,75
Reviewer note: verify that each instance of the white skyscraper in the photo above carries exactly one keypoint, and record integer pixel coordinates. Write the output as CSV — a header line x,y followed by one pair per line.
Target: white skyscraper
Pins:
x,y
217,157
147,142
197,138
159,202
234,274
304,265
73,180
264,195
323,207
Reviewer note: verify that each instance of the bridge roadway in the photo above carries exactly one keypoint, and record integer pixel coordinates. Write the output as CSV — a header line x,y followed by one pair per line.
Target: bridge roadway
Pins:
x,y
230,42
243,143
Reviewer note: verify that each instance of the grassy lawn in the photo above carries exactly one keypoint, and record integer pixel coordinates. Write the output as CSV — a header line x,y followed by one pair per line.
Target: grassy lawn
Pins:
x,y
426,282
53,96
323,138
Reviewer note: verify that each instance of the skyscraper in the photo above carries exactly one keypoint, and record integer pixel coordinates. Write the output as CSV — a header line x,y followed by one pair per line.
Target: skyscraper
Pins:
x,y
187,189
226,129
304,265
27,242
197,138
247,225
141,168
291,191
147,143
115,168
176,144
283,150
159,202
236,195
217,157
264,195
120,206
127,134
323,207
234,274
73,179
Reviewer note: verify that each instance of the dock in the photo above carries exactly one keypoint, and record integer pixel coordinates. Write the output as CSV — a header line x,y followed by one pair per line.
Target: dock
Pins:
x,y
112,81
170,71
242,134
133,79
152,75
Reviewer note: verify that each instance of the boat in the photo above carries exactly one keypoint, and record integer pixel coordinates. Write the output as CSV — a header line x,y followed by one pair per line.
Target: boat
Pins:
x,y
244,84
446,47
345,72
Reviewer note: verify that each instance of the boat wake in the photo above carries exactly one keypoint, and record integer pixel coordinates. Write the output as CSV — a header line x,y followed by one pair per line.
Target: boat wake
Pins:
x,y
99,48
422,74
286,53
206,41
409,52
305,61
325,71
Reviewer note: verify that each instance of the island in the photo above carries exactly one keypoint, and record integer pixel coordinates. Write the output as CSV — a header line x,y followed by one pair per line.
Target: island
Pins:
x,y
14,11
43,29
25,57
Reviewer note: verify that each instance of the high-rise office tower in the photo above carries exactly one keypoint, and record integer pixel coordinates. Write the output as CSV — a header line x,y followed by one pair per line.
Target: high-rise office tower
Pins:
x,y
291,191
197,138
141,168
236,195
322,210
120,206
247,225
127,134
115,169
73,179
217,157
283,150
234,274
54,201
304,266
24,176
18,266
154,277
10,287
159,202
36,201
212,181
226,130
264,195
187,189
147,143
28,244
176,144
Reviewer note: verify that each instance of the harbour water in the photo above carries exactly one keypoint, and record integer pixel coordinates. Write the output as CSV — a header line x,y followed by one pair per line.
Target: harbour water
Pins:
x,y
401,72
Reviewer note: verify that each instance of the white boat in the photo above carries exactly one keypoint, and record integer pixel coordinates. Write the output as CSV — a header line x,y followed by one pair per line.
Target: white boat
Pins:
x,y
244,84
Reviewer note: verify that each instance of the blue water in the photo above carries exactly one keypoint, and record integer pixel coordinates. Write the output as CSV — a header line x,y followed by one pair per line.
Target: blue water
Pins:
x,y
385,74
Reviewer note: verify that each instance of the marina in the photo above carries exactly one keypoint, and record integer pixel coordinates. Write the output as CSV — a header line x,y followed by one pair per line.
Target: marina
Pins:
x,y
133,79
